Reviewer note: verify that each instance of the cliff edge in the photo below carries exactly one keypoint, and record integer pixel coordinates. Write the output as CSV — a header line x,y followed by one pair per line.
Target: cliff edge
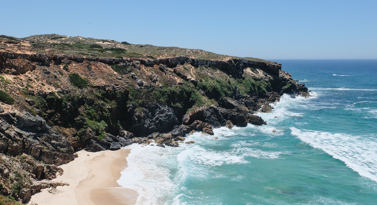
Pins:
x,y
61,94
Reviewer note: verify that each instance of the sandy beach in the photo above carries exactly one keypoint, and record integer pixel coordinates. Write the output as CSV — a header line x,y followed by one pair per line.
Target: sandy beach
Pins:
x,y
92,180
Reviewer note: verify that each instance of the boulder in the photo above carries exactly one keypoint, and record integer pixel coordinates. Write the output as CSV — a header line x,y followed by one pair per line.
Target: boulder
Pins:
x,y
229,124
163,138
267,108
202,126
133,76
238,119
162,67
136,64
140,82
115,146
180,130
211,115
256,120
126,134
172,143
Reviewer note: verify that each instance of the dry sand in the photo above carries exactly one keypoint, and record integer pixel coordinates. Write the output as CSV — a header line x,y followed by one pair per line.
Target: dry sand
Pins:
x,y
92,180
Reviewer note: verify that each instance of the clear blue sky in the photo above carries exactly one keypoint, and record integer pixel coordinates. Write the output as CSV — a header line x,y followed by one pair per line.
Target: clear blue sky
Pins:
x,y
269,29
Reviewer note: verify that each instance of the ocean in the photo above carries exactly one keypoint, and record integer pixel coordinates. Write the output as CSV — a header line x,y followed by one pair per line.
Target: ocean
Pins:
x,y
317,150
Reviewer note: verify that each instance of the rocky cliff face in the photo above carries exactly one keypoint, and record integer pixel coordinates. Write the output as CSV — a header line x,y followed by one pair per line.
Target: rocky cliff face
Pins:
x,y
54,103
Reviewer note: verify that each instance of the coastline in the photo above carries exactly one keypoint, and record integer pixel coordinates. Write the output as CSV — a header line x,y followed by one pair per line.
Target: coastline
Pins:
x,y
92,180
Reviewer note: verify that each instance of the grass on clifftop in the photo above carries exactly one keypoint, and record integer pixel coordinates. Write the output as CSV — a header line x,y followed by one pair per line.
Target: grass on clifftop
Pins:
x,y
109,48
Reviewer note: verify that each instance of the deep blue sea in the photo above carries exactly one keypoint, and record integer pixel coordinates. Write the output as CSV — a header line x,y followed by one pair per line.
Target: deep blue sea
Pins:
x,y
317,150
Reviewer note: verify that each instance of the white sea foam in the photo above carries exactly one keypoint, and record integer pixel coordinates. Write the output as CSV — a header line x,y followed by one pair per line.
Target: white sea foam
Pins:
x,y
282,110
202,156
325,201
344,89
220,134
358,153
339,75
256,153
245,144
372,114
270,130
269,144
363,102
303,81
145,175
367,112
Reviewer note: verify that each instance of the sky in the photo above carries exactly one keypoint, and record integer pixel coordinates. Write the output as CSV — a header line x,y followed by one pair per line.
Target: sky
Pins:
x,y
268,29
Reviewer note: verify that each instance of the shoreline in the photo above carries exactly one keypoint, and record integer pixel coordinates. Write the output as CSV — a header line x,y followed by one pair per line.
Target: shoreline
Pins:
x,y
92,179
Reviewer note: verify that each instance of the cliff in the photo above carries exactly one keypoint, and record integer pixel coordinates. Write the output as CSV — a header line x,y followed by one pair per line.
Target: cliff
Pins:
x,y
61,94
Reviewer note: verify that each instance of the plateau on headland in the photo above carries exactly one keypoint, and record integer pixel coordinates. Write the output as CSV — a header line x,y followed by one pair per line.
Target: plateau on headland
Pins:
x,y
61,94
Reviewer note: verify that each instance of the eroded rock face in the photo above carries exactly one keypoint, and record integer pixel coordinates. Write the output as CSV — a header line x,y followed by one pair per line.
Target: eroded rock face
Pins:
x,y
211,115
34,150
153,118
110,142
202,126
15,66
25,133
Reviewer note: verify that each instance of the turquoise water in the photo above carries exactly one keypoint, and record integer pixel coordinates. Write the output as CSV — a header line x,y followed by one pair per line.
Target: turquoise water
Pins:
x,y
317,150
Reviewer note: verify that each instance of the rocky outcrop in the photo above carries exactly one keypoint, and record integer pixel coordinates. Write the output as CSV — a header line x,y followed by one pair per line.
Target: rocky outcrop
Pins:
x,y
205,127
25,133
152,118
120,101
255,120
15,66
33,146
110,142
211,115
217,117
233,67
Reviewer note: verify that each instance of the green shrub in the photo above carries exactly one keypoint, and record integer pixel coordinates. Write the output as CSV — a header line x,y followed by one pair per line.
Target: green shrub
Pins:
x,y
216,88
5,82
9,37
57,37
98,127
121,69
65,67
125,43
4,97
95,46
8,200
78,81
254,87
116,51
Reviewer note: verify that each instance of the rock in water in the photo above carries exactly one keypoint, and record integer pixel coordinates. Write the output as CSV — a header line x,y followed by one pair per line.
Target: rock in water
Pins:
x,y
256,120
229,124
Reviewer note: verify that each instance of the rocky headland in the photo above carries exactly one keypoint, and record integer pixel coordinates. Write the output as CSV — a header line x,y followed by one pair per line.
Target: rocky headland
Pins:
x,y
60,94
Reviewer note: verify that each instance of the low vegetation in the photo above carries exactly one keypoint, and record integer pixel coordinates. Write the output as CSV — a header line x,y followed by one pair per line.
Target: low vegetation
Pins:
x,y
6,98
109,48
121,69
8,200
78,81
